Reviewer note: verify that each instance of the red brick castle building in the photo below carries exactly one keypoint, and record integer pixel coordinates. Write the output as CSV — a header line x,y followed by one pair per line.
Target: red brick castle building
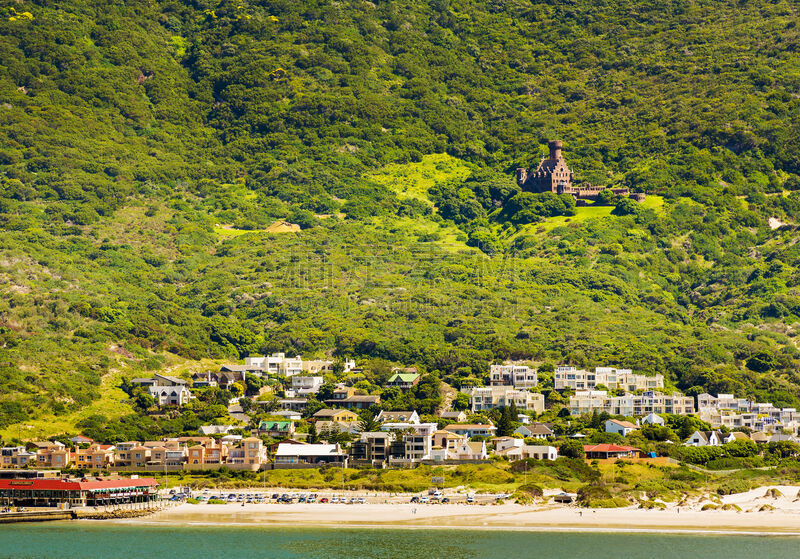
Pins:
x,y
553,175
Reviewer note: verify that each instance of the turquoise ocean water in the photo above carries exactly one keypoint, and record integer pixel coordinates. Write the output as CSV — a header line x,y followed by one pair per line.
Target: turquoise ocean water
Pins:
x,y
57,540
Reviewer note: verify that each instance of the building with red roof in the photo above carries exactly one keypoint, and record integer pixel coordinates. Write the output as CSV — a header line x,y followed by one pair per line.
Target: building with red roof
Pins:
x,y
50,492
603,451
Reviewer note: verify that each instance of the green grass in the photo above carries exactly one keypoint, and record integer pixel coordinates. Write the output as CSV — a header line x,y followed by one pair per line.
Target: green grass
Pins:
x,y
413,180
229,232
583,213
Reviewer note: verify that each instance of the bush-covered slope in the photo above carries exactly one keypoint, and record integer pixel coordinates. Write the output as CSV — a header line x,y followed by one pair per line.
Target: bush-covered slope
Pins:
x,y
140,141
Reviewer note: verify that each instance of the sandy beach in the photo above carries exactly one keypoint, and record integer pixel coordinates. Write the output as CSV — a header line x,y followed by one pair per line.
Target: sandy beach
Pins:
x,y
781,515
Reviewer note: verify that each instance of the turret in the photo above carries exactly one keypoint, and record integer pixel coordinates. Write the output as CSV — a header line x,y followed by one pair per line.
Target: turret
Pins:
x,y
555,149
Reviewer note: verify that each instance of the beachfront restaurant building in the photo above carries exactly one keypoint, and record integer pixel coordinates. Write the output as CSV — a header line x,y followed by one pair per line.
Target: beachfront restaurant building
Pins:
x,y
76,492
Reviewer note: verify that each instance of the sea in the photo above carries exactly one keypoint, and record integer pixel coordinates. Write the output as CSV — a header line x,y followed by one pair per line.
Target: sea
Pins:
x,y
99,540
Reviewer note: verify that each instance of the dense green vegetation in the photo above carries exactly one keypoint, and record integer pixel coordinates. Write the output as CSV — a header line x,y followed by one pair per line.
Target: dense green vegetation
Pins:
x,y
146,148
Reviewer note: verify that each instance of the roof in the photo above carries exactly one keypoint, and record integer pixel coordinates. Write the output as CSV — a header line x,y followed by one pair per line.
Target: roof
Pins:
x,y
391,415
626,424
404,377
328,412
539,429
287,449
477,448
176,380
63,485
272,425
608,448
465,426
358,398
447,414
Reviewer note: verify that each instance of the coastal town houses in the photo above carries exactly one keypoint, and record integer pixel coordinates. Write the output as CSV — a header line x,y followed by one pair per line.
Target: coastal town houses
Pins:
x,y
372,447
457,416
131,454
491,397
159,380
725,410
16,457
223,379
616,379
277,429
517,376
166,390
250,451
215,429
328,414
52,455
288,453
653,419
525,451
588,401
397,417
464,450
305,385
470,430
403,380
170,395
535,431
605,451
95,456
325,428
619,427
709,438
280,364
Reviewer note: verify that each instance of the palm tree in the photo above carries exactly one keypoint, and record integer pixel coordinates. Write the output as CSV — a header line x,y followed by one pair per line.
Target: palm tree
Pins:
x,y
368,423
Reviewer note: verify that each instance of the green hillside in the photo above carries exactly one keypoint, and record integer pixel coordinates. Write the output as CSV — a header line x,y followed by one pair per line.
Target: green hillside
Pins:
x,y
148,150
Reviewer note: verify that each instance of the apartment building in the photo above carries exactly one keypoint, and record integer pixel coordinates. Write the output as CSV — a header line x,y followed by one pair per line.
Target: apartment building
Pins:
x,y
616,379
14,457
588,401
518,376
250,451
280,364
372,447
491,397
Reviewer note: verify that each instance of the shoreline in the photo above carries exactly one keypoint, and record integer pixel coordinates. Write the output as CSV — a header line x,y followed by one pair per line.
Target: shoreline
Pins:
x,y
781,519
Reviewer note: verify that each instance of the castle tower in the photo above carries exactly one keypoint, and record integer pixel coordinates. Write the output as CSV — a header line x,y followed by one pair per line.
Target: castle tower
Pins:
x,y
551,175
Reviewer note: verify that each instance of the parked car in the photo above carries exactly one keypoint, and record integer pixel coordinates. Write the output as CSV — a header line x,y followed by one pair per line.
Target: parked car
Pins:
x,y
470,499
361,500
424,499
445,500
415,499
335,500
323,500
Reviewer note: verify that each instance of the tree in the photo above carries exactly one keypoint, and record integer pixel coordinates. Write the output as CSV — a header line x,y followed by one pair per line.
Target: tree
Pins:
x,y
505,425
368,423
761,362
571,449
461,402
626,206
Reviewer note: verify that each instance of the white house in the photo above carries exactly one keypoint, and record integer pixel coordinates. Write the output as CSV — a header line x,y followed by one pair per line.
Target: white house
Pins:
x,y
518,376
709,438
170,395
398,417
304,386
653,419
288,453
532,451
503,443
470,430
620,427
